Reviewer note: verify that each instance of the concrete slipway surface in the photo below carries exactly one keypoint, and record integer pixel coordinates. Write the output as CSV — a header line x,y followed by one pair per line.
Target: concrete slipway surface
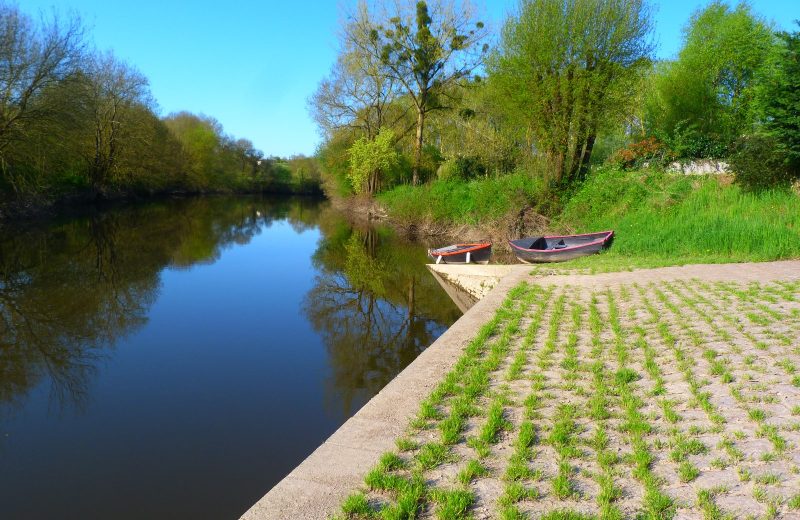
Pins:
x,y
316,488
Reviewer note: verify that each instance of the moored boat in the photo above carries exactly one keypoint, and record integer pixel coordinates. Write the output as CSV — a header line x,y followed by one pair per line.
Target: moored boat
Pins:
x,y
476,253
559,248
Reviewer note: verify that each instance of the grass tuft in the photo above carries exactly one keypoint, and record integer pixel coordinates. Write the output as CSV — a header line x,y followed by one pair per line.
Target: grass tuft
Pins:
x,y
452,504
357,506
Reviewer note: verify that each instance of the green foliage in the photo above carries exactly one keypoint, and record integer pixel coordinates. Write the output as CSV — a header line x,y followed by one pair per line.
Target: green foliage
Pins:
x,y
427,52
478,131
687,140
566,70
682,219
701,102
335,165
76,121
760,163
460,168
780,99
370,159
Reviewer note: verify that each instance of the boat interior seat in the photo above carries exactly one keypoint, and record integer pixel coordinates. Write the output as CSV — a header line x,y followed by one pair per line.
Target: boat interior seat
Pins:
x,y
560,244
538,243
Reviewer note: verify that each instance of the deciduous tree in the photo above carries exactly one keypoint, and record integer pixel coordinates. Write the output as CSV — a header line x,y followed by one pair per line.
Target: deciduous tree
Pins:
x,y
33,58
565,68
704,99
119,101
369,159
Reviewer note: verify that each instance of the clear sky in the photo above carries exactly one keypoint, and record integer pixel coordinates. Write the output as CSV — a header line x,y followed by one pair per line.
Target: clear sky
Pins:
x,y
253,63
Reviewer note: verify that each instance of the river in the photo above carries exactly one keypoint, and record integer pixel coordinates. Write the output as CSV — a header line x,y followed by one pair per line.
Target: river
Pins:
x,y
176,359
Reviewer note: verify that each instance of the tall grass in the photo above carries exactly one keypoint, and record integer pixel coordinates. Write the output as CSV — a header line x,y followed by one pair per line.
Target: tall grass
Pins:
x,y
659,218
686,218
475,202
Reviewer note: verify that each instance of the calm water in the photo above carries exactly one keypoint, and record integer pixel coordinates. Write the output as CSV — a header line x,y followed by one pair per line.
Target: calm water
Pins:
x,y
177,359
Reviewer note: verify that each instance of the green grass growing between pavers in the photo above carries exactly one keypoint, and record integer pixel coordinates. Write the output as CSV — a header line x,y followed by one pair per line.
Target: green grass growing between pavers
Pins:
x,y
466,382
600,432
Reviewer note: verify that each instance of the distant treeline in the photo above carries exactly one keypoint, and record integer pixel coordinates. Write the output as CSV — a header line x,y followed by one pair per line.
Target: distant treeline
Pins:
x,y
76,120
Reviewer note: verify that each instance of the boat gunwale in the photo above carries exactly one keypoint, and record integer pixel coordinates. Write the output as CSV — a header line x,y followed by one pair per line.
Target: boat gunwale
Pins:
x,y
476,246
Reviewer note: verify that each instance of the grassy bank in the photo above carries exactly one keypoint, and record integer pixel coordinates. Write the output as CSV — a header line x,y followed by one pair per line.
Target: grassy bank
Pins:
x,y
483,202
659,218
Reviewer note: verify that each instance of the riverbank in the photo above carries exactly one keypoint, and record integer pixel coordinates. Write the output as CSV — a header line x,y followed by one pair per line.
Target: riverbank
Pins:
x,y
413,417
660,218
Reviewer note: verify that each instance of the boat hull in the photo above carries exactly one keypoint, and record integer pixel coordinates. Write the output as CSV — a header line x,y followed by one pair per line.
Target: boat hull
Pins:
x,y
560,248
477,255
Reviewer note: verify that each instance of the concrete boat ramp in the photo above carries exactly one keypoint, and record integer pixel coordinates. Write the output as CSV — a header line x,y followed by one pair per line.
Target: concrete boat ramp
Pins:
x,y
316,488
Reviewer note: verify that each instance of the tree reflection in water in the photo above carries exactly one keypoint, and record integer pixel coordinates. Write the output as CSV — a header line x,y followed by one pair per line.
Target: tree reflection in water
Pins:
x,y
69,291
162,389
376,307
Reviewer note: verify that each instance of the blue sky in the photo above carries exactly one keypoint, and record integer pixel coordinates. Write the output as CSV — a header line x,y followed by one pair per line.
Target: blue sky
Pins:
x,y
253,64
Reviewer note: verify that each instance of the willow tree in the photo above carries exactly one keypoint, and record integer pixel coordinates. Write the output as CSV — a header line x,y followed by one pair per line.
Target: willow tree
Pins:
x,y
566,68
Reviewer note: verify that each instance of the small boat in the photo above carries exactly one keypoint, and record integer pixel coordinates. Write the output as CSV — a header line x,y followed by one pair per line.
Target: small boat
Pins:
x,y
559,248
477,253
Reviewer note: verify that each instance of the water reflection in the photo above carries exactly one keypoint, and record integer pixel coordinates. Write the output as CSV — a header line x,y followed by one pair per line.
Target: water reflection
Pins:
x,y
131,350
70,290
375,305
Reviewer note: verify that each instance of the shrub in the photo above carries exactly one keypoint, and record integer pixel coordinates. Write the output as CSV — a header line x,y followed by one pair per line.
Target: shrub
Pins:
x,y
687,142
649,149
460,168
370,160
759,163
